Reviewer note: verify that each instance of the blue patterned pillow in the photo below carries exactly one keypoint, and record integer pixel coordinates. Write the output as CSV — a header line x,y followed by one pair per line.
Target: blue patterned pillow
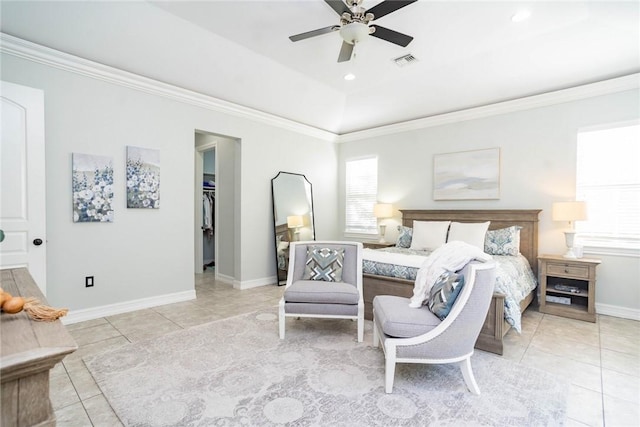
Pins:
x,y
324,264
404,239
444,293
505,241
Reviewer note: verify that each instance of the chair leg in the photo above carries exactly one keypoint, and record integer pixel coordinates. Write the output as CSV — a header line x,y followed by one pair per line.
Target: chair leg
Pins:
x,y
360,330
389,370
281,319
469,379
376,338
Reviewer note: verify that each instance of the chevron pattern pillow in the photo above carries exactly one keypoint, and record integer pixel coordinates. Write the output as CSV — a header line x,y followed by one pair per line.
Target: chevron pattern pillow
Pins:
x,y
324,264
444,293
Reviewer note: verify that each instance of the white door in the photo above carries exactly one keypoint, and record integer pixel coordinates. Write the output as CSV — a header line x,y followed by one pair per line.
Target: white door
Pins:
x,y
22,181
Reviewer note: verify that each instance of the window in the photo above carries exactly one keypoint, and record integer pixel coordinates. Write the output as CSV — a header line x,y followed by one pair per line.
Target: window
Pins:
x,y
608,179
361,194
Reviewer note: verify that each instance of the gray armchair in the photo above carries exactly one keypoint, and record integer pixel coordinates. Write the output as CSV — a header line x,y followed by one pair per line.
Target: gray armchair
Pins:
x,y
416,335
334,299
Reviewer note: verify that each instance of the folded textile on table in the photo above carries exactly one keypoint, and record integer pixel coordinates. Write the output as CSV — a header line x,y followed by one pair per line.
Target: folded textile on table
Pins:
x,y
451,256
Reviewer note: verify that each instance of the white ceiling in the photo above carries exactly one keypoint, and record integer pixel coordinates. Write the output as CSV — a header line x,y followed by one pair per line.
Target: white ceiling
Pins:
x,y
469,53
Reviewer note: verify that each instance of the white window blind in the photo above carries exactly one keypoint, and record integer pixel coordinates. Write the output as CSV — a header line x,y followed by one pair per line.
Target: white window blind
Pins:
x,y
608,179
361,195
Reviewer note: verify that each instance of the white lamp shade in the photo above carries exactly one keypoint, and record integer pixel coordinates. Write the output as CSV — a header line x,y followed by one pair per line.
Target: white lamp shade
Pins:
x,y
294,221
383,210
569,211
354,32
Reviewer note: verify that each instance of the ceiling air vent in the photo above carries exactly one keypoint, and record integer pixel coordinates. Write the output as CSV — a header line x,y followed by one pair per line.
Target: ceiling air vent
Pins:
x,y
404,60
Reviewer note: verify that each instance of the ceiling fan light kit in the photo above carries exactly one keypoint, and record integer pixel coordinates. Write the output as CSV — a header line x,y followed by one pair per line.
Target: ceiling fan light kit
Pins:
x,y
355,25
355,32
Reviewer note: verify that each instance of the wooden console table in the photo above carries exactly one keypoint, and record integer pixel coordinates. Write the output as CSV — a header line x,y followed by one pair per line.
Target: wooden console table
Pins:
x,y
29,350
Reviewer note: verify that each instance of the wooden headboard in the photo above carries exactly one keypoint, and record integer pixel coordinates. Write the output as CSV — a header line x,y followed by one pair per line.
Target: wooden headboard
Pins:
x,y
283,231
500,218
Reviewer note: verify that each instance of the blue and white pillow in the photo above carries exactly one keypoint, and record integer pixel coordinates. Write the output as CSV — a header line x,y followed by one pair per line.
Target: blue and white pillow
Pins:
x,y
505,241
324,264
404,239
444,293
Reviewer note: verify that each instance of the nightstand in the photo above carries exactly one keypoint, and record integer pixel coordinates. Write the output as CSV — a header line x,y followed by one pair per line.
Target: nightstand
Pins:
x,y
377,245
568,287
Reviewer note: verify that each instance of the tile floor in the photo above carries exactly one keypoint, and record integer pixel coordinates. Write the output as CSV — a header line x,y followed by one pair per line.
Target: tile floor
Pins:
x,y
602,359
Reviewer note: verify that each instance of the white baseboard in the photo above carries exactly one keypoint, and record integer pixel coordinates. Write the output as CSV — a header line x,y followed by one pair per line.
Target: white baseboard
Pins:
x,y
225,279
248,284
617,311
75,316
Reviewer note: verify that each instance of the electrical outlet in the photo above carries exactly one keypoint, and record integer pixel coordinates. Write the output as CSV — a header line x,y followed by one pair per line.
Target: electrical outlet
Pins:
x,y
88,281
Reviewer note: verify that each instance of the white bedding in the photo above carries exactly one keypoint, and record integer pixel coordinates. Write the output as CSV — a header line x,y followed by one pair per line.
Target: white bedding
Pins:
x,y
514,276
406,260
451,256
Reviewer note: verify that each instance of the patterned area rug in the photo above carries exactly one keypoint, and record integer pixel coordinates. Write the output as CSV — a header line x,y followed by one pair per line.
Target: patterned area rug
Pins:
x,y
238,372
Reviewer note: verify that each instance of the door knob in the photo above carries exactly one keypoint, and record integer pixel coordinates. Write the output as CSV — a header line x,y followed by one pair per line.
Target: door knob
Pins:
x,y
37,242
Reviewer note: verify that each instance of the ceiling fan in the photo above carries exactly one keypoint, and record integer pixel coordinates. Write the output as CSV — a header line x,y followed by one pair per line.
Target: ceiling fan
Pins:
x,y
354,24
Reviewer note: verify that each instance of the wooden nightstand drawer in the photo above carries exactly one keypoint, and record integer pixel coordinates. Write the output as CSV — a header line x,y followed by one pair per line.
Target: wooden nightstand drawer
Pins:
x,y
568,270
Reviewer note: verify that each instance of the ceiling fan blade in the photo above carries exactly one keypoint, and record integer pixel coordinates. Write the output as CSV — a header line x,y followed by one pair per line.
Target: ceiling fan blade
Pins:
x,y
338,6
314,33
391,36
388,6
345,52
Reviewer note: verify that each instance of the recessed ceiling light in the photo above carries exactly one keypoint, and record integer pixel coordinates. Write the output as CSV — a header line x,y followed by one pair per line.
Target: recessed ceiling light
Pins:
x,y
349,76
521,15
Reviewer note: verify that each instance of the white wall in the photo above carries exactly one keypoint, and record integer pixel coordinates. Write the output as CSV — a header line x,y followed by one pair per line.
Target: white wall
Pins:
x,y
538,151
149,253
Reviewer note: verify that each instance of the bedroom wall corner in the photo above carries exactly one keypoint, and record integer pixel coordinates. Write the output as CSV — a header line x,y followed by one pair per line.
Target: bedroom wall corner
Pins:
x,y
537,149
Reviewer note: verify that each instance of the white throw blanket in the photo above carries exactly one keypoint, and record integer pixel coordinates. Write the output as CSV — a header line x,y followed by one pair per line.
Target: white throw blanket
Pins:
x,y
407,260
451,256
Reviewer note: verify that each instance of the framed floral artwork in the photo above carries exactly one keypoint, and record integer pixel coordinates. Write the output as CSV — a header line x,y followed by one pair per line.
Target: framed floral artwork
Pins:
x,y
143,178
467,175
92,181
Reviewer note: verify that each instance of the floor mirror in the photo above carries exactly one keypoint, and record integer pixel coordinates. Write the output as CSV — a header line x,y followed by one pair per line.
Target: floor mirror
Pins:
x,y
293,220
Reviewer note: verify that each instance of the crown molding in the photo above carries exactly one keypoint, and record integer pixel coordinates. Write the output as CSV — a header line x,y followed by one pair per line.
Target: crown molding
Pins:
x,y
591,90
37,53
44,55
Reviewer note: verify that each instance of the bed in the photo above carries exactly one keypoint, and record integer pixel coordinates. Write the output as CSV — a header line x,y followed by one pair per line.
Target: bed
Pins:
x,y
495,326
282,252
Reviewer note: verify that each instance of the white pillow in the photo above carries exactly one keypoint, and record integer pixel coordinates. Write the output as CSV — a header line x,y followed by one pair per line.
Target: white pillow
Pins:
x,y
472,233
429,235
282,246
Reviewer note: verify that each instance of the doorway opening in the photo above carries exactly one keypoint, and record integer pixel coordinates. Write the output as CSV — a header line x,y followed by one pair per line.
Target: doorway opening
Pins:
x,y
205,171
216,179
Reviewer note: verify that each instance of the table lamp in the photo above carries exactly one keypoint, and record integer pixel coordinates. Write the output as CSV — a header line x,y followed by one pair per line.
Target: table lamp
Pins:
x,y
569,211
295,222
382,210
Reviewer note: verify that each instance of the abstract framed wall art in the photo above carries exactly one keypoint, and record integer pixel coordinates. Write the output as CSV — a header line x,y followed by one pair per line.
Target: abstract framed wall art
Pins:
x,y
143,178
92,181
467,175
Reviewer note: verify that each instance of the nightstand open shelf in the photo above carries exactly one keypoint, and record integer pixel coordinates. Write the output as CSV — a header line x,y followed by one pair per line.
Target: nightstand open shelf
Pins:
x,y
568,286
